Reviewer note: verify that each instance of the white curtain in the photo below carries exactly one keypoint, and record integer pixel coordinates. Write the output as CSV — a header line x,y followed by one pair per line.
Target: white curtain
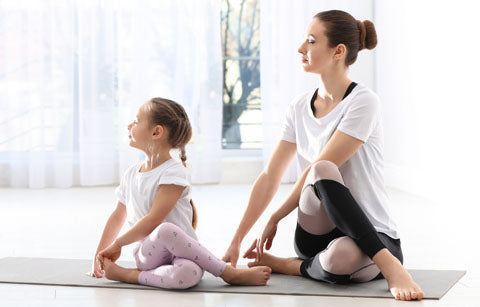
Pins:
x,y
73,73
282,29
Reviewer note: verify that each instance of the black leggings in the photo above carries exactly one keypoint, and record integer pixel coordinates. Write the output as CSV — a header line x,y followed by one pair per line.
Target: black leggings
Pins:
x,y
350,221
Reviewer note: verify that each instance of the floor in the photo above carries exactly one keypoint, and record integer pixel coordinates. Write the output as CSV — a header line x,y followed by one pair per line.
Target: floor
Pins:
x,y
67,223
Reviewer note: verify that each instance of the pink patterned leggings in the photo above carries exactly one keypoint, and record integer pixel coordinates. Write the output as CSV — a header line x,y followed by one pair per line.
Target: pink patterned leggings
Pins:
x,y
171,259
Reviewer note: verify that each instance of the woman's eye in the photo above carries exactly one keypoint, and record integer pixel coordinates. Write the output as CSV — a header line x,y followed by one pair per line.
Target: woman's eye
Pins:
x,y
311,42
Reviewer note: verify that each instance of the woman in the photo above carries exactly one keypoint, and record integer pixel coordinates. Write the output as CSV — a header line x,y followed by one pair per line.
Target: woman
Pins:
x,y
345,232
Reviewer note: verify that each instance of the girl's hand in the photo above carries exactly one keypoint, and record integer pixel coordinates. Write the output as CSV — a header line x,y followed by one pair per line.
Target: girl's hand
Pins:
x,y
232,254
267,235
112,252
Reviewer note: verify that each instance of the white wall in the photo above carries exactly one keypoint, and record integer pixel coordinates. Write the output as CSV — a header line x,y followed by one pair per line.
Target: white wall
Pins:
x,y
427,76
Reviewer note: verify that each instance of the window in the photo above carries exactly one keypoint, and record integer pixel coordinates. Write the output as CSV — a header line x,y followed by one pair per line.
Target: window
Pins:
x,y
242,115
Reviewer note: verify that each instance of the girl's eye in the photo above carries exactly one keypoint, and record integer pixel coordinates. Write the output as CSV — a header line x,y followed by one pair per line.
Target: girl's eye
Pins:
x,y
311,42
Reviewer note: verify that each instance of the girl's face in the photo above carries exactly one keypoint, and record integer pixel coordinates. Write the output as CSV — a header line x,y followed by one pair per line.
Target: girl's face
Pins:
x,y
140,131
317,56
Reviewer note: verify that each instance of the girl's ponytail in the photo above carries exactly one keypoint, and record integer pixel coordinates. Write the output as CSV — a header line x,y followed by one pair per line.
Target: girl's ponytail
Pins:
x,y
194,218
183,157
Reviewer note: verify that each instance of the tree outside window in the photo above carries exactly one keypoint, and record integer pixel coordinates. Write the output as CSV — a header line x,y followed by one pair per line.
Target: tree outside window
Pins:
x,y
242,117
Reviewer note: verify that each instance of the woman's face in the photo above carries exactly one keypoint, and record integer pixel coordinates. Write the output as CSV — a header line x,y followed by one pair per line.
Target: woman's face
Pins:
x,y
317,57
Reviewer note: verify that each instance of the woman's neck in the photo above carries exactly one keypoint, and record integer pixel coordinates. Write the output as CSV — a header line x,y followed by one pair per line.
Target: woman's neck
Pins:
x,y
333,86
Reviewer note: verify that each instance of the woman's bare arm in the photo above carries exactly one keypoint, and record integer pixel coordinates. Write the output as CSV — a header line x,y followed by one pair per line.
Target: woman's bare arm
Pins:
x,y
262,193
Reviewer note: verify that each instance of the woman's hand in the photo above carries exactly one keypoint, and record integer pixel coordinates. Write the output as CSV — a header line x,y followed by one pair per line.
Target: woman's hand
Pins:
x,y
112,252
268,234
232,254
96,268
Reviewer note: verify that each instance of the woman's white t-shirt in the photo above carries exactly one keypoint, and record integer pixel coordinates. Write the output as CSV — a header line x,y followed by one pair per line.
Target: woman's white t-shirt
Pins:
x,y
137,191
358,115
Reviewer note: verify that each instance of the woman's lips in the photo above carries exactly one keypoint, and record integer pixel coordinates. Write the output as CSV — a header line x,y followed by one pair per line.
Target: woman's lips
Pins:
x,y
304,60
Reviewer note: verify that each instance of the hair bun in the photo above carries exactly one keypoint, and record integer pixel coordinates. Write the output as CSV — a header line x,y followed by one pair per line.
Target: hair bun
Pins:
x,y
368,35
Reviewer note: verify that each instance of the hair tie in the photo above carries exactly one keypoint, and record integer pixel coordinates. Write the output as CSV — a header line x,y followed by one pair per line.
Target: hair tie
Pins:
x,y
363,34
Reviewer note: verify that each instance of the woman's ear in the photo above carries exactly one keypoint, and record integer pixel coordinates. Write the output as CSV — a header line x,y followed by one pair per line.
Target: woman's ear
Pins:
x,y
340,52
158,132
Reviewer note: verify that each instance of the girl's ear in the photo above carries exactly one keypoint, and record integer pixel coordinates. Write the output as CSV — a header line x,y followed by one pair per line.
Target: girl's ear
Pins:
x,y
158,132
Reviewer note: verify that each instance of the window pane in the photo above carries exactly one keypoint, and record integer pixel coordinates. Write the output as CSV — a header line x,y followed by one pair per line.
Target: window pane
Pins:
x,y
242,118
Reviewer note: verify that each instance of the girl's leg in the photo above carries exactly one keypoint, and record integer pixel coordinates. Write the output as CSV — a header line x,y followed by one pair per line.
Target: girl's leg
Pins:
x,y
169,239
181,274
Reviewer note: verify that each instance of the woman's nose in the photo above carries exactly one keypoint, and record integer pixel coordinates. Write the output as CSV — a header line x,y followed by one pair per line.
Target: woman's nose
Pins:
x,y
301,49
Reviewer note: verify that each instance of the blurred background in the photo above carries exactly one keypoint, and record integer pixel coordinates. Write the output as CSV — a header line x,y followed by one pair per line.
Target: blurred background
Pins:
x,y
73,73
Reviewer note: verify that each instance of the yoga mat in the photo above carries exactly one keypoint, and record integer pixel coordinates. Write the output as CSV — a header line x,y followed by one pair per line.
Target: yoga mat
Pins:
x,y
71,272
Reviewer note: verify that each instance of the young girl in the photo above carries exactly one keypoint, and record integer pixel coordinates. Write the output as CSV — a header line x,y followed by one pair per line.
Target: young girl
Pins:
x,y
154,197
345,232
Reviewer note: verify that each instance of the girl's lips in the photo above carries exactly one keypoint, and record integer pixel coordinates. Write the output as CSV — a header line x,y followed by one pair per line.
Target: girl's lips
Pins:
x,y
304,60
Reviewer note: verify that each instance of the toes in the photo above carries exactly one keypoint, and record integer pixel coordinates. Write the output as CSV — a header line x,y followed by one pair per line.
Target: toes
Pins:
x,y
407,295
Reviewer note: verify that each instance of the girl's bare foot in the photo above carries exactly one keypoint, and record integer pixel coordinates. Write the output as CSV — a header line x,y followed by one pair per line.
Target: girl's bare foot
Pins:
x,y
288,266
256,276
115,272
399,281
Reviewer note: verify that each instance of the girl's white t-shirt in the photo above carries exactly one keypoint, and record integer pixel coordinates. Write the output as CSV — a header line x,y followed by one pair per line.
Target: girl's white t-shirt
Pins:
x,y
358,115
137,191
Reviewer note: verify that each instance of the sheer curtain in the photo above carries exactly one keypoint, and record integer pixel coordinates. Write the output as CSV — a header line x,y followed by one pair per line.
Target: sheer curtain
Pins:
x,y
282,29
73,73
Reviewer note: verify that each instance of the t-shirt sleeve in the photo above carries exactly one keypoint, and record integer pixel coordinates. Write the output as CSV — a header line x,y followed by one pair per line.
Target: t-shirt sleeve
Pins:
x,y
120,191
288,129
177,175
361,118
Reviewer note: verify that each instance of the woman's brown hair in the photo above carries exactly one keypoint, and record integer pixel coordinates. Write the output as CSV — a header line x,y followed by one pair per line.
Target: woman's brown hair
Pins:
x,y
169,114
342,28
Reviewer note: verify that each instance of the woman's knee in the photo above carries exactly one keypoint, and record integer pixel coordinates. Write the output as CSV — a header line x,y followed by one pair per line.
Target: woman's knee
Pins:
x,y
342,256
324,169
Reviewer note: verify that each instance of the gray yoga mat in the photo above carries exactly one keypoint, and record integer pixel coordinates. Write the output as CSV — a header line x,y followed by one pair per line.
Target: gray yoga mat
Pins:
x,y
71,272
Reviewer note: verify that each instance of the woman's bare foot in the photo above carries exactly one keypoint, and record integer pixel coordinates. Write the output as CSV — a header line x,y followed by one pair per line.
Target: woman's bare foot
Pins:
x,y
288,266
399,281
257,276
116,272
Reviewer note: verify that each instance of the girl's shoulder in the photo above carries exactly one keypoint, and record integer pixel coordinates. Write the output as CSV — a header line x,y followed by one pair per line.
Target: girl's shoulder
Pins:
x,y
174,173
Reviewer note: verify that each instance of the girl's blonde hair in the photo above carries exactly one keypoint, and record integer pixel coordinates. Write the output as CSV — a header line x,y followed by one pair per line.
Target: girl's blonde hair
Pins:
x,y
169,114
